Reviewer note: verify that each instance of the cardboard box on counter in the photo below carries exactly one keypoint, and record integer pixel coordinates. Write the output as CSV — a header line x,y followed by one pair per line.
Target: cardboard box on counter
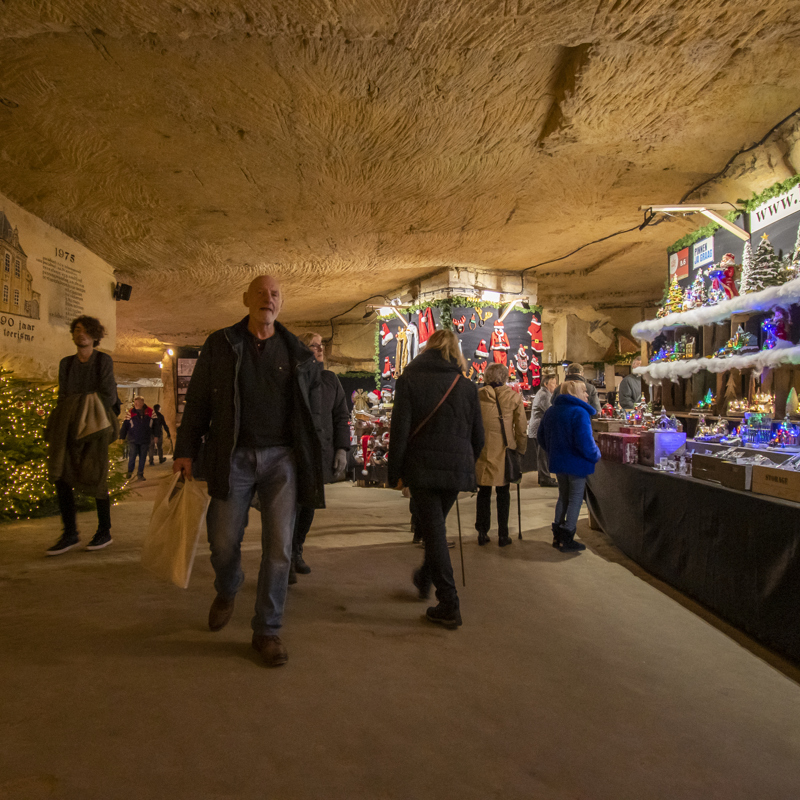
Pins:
x,y
607,425
726,473
783,483
621,447
655,445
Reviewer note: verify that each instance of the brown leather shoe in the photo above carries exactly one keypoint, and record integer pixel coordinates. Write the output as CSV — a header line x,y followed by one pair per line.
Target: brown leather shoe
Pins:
x,y
272,650
220,613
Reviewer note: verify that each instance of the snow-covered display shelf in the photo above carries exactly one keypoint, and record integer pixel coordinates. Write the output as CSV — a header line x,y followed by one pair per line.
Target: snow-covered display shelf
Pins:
x,y
784,295
764,359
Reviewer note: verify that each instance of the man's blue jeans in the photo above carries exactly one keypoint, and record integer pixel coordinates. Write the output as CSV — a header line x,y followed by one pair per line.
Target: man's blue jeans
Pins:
x,y
137,450
570,498
271,472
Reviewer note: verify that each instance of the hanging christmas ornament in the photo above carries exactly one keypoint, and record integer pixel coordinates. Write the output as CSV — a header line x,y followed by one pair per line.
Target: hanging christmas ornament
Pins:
x,y
386,334
499,344
426,326
522,359
535,332
387,368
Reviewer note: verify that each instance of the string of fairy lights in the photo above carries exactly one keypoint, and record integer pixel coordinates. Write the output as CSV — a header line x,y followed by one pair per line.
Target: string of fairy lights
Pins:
x,y
25,491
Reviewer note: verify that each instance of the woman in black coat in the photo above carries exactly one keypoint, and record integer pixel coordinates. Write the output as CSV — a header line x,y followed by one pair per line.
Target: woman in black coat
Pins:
x,y
433,449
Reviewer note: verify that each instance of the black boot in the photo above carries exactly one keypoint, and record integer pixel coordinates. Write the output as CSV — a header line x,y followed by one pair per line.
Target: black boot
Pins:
x,y
300,566
557,531
547,481
568,543
483,538
503,541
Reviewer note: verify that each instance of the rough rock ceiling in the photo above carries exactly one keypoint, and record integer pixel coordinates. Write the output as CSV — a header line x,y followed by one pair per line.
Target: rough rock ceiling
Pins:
x,y
352,145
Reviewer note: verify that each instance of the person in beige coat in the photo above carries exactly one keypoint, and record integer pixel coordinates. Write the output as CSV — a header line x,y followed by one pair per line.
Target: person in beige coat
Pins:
x,y
490,469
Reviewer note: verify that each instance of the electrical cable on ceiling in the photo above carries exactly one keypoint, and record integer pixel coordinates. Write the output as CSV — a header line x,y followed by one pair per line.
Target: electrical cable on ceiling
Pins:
x,y
648,220
341,314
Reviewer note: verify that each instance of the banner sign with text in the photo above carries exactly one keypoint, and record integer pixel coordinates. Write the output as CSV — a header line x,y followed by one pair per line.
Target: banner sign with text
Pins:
x,y
46,280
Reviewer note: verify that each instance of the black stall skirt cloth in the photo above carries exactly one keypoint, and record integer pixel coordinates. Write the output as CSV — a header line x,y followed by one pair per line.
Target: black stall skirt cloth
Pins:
x,y
738,553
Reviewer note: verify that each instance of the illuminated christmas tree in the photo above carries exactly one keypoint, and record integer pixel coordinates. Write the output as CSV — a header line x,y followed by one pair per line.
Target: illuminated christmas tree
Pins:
x,y
696,296
747,268
794,258
25,491
674,301
766,269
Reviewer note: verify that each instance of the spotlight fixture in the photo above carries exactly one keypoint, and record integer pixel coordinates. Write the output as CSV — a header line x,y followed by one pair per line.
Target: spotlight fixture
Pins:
x,y
526,305
160,364
710,211
122,291
370,312
170,352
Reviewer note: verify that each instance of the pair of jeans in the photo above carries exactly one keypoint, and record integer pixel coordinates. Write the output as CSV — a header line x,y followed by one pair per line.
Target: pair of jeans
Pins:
x,y
271,472
431,507
66,505
156,446
570,498
137,450
483,509
302,525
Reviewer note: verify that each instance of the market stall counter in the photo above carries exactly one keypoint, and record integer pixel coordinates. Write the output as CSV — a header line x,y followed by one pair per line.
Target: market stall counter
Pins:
x,y
736,552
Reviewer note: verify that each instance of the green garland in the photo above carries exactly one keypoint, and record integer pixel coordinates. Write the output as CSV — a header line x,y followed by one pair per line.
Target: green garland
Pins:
x,y
700,233
775,190
750,204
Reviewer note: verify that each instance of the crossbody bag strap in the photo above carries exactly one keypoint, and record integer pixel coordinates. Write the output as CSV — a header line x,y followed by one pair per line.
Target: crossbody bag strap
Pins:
x,y
438,406
502,421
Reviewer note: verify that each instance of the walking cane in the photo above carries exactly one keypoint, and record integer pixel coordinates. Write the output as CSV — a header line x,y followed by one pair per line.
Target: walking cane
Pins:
x,y
460,545
519,514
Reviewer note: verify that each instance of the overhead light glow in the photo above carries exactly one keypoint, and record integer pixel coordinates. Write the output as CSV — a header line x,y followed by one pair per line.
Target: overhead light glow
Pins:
x,y
170,352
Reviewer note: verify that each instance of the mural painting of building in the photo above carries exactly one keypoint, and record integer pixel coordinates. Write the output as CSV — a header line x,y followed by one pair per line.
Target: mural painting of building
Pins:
x,y
16,282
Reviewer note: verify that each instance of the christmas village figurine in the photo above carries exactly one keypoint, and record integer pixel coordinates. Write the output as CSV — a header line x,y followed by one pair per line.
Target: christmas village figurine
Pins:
x,y
707,403
723,284
607,411
696,296
776,330
740,343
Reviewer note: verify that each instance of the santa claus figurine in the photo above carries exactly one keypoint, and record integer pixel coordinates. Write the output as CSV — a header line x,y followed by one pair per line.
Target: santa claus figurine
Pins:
x,y
499,344
723,276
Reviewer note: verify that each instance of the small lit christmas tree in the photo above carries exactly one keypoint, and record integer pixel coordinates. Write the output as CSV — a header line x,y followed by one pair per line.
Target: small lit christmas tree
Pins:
x,y
792,403
24,489
766,269
794,258
747,268
731,393
674,301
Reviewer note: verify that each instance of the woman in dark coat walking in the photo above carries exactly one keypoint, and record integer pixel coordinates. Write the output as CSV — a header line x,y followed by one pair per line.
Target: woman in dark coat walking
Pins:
x,y
436,436
566,434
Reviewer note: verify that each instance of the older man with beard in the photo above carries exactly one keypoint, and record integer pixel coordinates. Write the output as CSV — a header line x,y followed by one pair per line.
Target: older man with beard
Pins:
x,y
254,395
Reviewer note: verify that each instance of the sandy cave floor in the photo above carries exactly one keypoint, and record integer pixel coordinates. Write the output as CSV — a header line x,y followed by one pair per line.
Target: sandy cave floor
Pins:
x,y
572,676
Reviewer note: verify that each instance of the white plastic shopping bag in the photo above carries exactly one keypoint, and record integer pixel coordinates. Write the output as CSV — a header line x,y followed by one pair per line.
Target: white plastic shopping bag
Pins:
x,y
175,526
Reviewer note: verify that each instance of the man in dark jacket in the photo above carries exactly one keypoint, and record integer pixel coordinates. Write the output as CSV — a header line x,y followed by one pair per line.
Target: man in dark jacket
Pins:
x,y
575,373
254,396
334,421
630,390
137,431
159,428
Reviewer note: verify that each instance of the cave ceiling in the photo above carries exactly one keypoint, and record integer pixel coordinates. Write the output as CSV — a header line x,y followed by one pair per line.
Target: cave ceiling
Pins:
x,y
351,147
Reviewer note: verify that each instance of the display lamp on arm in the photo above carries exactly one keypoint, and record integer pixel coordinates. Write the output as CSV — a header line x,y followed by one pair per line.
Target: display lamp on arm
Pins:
x,y
712,211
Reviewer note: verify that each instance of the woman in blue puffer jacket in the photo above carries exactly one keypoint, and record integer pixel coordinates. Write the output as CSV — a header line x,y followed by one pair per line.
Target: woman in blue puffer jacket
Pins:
x,y
566,434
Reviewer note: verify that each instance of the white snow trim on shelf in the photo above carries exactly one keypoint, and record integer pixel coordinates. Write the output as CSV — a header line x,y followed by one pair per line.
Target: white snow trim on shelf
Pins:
x,y
685,369
787,294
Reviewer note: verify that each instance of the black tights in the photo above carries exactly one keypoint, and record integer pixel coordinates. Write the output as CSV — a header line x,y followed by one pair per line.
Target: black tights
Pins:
x,y
66,505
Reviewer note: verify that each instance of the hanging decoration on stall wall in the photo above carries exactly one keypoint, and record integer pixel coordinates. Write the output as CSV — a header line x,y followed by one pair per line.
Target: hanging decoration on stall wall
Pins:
x,y
483,338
